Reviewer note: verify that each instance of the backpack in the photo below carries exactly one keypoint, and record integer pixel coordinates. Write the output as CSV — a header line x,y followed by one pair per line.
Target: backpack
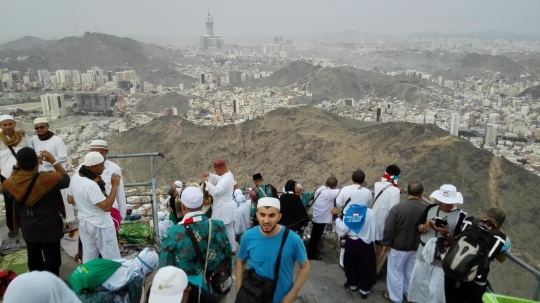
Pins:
x,y
88,276
468,258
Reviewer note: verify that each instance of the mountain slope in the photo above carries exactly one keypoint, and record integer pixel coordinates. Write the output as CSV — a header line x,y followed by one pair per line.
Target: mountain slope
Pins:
x,y
533,91
108,52
309,145
342,82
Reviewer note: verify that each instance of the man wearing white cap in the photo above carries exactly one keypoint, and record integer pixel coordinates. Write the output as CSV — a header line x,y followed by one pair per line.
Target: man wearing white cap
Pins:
x,y
96,227
170,285
47,140
177,247
11,141
437,227
259,250
118,211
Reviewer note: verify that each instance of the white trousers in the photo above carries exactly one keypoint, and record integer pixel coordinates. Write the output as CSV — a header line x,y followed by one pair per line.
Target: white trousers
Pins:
x,y
398,277
97,240
70,215
230,235
427,283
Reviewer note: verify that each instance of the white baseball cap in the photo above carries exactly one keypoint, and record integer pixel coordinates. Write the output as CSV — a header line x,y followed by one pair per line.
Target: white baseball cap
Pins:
x,y
168,285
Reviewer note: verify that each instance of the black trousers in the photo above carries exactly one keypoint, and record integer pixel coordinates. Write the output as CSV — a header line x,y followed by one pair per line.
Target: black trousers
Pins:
x,y
316,233
8,202
44,256
464,292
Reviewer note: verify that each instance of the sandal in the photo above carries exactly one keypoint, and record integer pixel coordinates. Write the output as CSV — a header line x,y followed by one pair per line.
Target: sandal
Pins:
x,y
386,295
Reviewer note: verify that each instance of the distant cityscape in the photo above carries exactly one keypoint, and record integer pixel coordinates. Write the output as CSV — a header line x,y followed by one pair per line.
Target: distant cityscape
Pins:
x,y
486,109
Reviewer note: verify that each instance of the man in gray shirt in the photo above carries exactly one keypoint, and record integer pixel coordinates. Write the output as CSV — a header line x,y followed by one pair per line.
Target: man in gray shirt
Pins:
x,y
402,242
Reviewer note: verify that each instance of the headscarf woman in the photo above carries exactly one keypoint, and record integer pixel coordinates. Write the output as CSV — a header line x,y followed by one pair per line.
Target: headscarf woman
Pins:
x,y
360,229
39,287
242,222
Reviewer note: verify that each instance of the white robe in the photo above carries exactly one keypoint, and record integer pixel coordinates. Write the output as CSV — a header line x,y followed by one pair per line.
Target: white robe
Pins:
x,y
54,145
221,188
242,222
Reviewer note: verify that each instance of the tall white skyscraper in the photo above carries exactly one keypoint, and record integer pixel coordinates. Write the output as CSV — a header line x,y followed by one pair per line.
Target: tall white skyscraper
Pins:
x,y
454,125
491,136
53,106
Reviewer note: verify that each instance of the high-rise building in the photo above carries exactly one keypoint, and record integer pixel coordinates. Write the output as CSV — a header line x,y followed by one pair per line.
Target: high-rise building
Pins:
x,y
53,106
472,120
210,40
454,125
94,102
379,113
491,136
235,77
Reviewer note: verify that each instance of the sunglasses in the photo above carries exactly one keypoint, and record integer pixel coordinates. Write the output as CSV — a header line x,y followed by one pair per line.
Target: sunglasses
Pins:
x,y
40,127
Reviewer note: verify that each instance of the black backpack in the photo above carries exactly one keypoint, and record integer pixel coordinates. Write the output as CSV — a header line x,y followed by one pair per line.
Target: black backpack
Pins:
x,y
468,258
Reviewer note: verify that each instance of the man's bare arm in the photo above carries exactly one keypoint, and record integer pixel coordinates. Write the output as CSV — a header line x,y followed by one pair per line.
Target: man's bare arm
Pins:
x,y
240,267
300,280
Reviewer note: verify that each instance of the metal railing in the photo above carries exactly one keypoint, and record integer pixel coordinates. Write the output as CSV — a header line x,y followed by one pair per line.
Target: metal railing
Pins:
x,y
152,183
532,270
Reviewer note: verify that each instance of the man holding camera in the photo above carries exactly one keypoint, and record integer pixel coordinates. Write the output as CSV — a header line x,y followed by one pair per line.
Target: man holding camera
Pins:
x,y
437,228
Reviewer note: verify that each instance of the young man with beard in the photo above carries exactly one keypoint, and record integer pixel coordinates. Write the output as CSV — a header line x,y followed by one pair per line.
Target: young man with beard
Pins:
x,y
47,140
96,227
11,141
260,246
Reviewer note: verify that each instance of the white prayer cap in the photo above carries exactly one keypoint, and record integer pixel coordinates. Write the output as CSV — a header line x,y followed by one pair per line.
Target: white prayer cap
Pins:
x,y
93,158
129,206
161,216
178,184
6,117
299,185
40,120
192,197
98,144
268,202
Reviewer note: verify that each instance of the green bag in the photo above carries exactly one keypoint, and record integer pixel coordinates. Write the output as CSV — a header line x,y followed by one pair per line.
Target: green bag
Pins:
x,y
493,298
92,274
135,233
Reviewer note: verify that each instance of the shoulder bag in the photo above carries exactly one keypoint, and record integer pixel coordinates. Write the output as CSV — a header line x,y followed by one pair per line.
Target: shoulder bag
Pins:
x,y
309,209
218,281
256,288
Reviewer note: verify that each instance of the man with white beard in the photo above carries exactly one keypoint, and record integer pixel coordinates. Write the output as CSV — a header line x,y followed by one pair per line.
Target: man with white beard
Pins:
x,y
221,187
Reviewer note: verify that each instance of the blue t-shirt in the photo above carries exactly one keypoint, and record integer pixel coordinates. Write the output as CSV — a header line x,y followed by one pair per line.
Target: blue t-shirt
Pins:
x,y
261,253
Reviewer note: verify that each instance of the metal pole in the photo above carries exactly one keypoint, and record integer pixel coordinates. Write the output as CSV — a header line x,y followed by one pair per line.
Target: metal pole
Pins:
x,y
157,240
536,293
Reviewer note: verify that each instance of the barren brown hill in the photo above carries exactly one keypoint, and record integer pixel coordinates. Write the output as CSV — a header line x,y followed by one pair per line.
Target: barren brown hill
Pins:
x,y
309,145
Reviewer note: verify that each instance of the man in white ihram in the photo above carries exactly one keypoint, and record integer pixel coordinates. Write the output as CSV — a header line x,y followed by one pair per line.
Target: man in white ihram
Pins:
x,y
221,187
47,140
96,227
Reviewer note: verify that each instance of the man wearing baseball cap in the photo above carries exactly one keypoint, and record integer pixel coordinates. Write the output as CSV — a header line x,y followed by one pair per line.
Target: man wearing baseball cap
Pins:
x,y
96,227
170,285
178,249
437,227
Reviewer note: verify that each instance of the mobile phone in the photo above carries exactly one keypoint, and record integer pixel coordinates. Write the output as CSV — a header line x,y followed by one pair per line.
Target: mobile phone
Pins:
x,y
439,222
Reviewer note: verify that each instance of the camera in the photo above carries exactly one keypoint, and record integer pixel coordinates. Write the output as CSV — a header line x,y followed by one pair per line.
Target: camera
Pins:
x,y
439,222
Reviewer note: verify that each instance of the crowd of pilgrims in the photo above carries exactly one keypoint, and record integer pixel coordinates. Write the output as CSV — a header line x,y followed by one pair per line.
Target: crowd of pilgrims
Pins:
x,y
198,237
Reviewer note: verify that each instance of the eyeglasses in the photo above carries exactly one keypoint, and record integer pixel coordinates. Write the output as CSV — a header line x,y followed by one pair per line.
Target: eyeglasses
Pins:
x,y
40,127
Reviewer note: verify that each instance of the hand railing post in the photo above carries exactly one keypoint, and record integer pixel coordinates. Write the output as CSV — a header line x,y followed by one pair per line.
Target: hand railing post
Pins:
x,y
157,240
536,293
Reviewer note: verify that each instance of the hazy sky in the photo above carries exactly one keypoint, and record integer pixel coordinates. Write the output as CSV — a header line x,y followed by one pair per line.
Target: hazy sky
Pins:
x,y
184,19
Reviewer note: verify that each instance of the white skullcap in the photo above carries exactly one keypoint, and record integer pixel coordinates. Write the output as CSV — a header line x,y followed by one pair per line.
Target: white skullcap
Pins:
x,y
6,117
40,120
178,184
98,144
299,185
129,206
268,202
161,216
192,197
93,158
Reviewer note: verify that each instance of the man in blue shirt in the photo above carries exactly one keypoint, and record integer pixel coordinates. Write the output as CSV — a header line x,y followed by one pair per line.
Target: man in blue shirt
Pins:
x,y
260,247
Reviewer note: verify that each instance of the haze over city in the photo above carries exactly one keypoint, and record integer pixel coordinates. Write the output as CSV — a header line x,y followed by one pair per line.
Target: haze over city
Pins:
x,y
178,22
